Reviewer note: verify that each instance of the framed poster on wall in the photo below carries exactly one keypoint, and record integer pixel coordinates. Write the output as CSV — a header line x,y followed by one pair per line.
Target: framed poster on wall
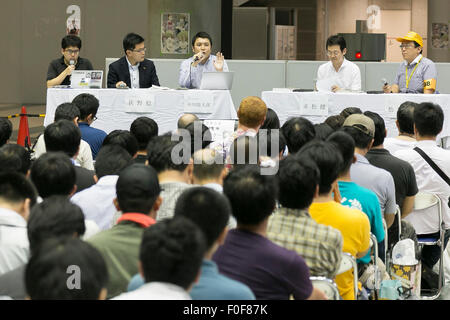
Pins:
x,y
175,33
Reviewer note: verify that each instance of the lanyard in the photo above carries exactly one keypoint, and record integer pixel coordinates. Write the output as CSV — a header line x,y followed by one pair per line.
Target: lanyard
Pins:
x,y
406,73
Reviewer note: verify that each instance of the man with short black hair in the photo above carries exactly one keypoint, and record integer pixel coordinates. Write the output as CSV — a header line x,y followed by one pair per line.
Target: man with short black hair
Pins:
x,y
362,129
297,131
191,70
133,70
170,257
88,105
143,129
14,157
292,227
173,177
47,274
5,131
67,111
428,123
17,197
269,270
405,126
97,201
60,70
344,74
65,136
138,199
124,139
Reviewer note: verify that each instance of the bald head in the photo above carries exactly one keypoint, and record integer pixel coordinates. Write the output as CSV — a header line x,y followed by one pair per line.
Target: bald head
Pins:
x,y
252,112
186,119
208,166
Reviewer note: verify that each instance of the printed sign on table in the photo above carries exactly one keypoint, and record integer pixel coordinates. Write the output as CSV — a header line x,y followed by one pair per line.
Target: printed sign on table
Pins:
x,y
198,101
314,105
139,102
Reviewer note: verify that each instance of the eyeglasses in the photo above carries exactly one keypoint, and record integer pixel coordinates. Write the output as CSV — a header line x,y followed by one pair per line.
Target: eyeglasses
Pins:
x,y
140,50
333,53
404,46
71,52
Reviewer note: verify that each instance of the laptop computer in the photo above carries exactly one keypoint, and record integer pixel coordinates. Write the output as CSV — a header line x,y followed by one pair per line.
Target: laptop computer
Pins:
x,y
217,80
86,79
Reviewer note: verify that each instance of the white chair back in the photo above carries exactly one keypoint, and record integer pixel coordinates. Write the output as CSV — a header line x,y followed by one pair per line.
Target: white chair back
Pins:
x,y
348,262
327,286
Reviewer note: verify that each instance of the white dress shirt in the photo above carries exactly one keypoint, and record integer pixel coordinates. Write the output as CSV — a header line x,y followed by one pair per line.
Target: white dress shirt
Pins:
x,y
348,77
84,157
97,201
191,77
156,291
393,144
134,74
14,245
426,221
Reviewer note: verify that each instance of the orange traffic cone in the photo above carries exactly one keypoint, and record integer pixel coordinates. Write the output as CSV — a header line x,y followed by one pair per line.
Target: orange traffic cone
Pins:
x,y
23,138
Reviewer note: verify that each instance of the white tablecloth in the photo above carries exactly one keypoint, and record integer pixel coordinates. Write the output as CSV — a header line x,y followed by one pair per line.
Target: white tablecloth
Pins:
x,y
168,106
289,104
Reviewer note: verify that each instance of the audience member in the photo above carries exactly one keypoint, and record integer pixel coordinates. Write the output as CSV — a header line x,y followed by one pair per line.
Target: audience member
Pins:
x,y
64,136
352,223
170,258
322,130
401,171
362,129
405,126
428,123
349,111
292,227
138,198
355,196
200,135
14,157
17,196
66,269
70,112
297,131
97,201
5,131
268,139
186,119
269,270
174,175
143,129
56,216
272,121
88,105
335,121
243,151
124,139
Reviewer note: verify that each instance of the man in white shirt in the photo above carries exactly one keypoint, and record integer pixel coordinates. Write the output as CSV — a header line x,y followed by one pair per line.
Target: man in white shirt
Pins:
x,y
344,74
97,200
191,70
405,125
428,122
170,257
17,195
68,111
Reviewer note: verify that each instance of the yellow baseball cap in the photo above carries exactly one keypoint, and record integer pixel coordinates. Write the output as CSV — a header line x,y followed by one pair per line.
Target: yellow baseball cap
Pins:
x,y
412,36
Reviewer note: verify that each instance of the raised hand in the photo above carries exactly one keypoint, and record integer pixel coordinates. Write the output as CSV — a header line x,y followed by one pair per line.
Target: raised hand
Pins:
x,y
219,62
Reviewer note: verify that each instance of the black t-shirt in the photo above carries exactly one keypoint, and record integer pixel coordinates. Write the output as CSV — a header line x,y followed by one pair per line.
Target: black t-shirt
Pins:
x,y
402,172
57,66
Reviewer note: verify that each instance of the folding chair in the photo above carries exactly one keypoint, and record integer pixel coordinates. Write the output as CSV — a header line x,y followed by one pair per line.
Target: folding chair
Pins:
x,y
327,286
426,201
374,256
388,251
348,262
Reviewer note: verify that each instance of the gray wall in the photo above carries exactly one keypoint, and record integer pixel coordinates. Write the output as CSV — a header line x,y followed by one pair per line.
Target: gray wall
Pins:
x,y
438,12
205,15
32,38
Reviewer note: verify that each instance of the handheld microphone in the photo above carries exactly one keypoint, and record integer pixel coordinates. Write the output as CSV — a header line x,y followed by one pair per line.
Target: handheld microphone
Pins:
x,y
384,81
197,58
72,62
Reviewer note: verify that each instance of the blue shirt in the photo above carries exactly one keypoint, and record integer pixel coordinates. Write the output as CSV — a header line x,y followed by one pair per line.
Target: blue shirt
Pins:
x,y
191,77
425,70
211,286
365,200
93,136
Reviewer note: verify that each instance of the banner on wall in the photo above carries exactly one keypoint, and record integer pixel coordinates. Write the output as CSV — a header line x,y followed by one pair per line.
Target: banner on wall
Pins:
x,y
73,23
439,37
175,33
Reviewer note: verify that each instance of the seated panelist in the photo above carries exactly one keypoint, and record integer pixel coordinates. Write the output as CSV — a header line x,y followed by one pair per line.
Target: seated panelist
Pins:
x,y
191,70
133,70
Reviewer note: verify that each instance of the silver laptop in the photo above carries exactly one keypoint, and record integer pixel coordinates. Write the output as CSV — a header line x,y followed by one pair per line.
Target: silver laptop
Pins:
x,y
86,79
217,80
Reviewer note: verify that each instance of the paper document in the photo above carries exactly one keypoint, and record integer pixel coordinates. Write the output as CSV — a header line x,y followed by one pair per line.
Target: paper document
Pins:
x,y
324,85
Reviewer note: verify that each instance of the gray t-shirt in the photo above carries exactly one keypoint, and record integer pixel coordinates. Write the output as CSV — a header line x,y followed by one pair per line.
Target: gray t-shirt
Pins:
x,y
170,191
376,179
424,70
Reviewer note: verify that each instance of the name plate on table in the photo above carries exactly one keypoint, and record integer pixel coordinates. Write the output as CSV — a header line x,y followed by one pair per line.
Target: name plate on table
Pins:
x,y
314,105
198,101
139,102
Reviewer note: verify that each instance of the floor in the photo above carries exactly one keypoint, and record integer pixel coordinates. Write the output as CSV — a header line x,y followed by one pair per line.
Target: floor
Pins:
x,y
36,125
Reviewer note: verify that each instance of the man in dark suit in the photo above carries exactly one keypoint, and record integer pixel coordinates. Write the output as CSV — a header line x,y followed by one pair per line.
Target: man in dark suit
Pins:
x,y
132,70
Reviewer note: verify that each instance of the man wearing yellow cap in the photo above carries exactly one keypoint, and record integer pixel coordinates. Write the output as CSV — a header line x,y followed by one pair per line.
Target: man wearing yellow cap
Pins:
x,y
416,74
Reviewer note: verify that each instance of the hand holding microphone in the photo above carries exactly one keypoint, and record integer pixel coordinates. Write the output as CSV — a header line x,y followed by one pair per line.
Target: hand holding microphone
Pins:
x,y
71,67
386,86
197,58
